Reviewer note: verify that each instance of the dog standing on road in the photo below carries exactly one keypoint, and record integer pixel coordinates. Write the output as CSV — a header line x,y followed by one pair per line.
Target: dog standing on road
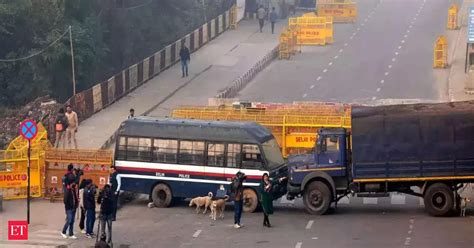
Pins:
x,y
201,201
463,205
218,206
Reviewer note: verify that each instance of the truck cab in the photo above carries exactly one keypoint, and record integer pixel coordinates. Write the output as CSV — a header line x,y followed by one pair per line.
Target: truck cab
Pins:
x,y
320,176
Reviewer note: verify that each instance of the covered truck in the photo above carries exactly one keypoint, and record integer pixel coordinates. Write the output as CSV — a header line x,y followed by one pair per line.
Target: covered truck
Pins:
x,y
390,149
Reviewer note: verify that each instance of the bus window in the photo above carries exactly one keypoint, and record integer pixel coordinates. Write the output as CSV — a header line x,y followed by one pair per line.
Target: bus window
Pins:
x,y
122,148
191,152
233,155
165,151
132,149
144,149
215,154
252,159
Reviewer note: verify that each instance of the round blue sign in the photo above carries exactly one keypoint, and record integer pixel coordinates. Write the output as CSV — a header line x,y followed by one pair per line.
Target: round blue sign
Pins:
x,y
28,129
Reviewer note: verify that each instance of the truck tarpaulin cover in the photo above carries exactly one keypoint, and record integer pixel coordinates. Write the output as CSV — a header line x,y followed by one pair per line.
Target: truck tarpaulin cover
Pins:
x,y
417,140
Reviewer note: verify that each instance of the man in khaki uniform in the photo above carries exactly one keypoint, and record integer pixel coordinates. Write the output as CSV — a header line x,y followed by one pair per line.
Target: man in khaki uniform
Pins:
x,y
73,124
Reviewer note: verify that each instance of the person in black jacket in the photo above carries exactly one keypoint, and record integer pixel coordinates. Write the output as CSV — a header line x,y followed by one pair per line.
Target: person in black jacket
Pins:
x,y
115,182
71,202
185,57
106,210
89,205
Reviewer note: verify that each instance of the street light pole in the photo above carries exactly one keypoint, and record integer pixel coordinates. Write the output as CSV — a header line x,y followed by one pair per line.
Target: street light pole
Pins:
x,y
72,63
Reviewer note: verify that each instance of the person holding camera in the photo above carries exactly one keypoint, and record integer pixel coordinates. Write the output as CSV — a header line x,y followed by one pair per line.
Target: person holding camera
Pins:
x,y
237,190
105,200
89,206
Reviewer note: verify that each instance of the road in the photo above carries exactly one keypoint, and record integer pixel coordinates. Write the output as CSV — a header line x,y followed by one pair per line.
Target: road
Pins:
x,y
396,221
386,54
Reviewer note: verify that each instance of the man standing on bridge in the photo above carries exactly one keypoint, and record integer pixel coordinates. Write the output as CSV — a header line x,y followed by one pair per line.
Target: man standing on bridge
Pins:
x,y
73,124
185,59
261,14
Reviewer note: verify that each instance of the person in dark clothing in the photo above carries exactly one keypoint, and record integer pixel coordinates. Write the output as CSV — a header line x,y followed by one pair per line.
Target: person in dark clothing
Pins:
x,y
82,187
132,113
68,178
115,188
273,18
185,57
106,211
71,203
60,128
237,189
89,205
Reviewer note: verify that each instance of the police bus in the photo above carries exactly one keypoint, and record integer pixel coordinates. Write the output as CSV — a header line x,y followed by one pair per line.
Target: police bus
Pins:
x,y
174,159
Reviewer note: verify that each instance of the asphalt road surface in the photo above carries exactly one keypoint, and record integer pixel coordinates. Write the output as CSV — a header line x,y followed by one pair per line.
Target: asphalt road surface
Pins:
x,y
386,54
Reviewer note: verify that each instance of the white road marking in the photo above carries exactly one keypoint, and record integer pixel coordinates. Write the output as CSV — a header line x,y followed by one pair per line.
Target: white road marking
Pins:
x,y
410,226
370,200
340,50
310,224
325,70
378,89
410,231
345,44
353,34
362,24
397,199
196,234
373,99
298,245
382,81
403,41
405,36
350,38
312,86
399,47
389,66
335,57
410,26
386,73
412,221
408,30
396,53
407,241
314,238
330,63
305,95
394,59
319,78
414,19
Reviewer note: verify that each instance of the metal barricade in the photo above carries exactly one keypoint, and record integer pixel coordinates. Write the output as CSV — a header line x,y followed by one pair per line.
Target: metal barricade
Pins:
x,y
284,49
312,30
452,17
440,53
341,11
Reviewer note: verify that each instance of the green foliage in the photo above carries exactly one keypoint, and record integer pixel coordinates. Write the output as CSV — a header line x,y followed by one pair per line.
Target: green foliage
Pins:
x,y
108,36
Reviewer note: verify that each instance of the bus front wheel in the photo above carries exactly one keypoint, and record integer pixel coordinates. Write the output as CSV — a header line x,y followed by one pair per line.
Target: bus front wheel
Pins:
x,y
250,201
161,195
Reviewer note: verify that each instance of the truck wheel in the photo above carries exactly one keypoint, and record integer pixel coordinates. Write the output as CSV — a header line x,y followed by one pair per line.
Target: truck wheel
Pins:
x,y
250,201
161,195
317,198
439,200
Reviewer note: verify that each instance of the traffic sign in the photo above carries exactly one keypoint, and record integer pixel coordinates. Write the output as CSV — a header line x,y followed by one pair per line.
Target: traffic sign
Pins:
x,y
470,26
28,129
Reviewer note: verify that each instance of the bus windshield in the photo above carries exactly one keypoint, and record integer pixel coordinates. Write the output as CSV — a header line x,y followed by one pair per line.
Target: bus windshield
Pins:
x,y
272,154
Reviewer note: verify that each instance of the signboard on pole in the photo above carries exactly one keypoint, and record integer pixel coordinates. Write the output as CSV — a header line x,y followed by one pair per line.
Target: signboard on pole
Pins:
x,y
470,26
28,130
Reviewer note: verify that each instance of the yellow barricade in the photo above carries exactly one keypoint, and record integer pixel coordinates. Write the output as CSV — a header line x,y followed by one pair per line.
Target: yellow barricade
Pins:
x,y
452,17
341,12
440,53
284,48
312,30
294,126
